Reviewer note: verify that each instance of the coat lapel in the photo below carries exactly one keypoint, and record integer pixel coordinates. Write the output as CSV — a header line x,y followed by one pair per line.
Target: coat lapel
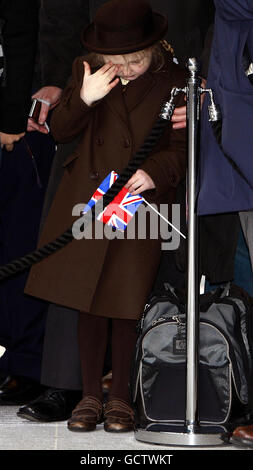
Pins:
x,y
137,90
123,102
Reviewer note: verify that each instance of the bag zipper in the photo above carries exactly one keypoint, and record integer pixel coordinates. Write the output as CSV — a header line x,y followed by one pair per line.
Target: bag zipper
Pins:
x,y
173,298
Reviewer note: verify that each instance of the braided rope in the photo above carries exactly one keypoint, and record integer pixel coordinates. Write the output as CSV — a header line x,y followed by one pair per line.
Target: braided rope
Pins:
x,y
28,260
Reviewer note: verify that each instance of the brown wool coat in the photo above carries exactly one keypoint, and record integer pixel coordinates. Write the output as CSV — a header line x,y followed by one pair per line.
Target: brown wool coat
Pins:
x,y
110,278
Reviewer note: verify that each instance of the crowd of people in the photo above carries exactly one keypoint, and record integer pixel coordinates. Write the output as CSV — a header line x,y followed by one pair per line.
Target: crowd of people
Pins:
x,y
100,72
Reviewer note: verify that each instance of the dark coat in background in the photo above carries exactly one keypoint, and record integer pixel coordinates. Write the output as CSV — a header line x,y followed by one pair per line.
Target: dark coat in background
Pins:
x,y
188,22
18,36
59,45
23,183
22,190
22,193
61,23
85,274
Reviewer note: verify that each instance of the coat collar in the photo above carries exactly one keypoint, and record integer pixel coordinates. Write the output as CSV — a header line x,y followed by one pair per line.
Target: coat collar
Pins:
x,y
123,103
136,91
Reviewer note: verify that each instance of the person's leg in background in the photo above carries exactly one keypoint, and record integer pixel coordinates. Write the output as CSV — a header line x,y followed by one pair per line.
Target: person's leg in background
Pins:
x,y
243,274
243,435
244,253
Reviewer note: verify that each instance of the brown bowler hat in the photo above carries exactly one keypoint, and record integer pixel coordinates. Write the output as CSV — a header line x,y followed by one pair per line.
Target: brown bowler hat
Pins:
x,y
124,26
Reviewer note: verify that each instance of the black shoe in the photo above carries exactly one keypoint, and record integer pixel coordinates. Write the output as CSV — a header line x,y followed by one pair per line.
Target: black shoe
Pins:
x,y
15,390
53,405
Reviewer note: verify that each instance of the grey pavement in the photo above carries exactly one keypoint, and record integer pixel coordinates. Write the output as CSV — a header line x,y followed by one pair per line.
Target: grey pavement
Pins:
x,y
21,434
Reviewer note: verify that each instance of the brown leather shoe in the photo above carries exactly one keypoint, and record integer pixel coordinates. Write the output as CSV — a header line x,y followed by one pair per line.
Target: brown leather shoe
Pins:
x,y
243,436
86,415
119,416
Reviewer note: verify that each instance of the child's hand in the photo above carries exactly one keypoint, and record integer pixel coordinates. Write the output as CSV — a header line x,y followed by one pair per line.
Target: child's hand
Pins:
x,y
139,182
99,84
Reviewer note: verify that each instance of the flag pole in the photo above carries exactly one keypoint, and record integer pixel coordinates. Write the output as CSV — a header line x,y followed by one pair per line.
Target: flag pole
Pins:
x,y
164,218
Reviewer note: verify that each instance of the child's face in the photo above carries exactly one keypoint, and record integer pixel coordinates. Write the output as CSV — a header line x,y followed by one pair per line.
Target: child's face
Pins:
x,y
130,66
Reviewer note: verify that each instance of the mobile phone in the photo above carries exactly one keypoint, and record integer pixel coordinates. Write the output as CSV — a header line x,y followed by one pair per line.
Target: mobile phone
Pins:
x,y
35,110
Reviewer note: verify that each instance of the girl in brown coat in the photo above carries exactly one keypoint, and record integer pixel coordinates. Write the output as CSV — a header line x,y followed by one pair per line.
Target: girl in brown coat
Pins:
x,y
113,100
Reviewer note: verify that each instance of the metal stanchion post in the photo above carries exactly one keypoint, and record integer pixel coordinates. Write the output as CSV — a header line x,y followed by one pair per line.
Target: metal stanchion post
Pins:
x,y
191,433
192,278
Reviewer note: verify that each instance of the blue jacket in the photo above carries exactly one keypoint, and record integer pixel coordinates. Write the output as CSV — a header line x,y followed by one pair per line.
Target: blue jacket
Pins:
x,y
221,187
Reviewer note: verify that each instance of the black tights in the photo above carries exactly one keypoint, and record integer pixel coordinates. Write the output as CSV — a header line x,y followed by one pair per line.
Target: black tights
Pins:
x,y
92,334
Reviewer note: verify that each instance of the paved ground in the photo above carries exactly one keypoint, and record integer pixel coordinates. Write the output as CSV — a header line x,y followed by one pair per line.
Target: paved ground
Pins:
x,y
20,434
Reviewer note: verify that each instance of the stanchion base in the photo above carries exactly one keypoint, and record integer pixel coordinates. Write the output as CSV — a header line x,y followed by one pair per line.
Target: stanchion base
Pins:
x,y
179,436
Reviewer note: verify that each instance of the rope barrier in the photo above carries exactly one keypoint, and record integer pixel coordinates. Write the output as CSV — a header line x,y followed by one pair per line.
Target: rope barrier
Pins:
x,y
25,262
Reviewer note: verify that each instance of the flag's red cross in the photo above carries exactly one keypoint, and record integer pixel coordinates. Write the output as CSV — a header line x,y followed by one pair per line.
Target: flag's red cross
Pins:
x,y
118,208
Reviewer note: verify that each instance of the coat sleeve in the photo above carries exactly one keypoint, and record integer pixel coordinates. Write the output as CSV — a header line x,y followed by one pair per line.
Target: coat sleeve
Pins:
x,y
72,115
235,10
20,28
167,165
61,23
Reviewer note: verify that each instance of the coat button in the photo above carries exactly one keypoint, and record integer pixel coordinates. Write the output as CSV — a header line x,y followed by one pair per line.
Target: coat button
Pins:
x,y
99,140
94,175
173,179
127,143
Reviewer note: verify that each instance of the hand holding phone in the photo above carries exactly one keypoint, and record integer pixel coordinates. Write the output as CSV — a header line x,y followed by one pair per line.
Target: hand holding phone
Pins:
x,y
34,116
44,100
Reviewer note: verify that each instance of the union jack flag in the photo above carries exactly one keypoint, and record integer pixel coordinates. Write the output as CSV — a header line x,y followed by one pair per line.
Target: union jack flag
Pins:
x,y
121,210
101,190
